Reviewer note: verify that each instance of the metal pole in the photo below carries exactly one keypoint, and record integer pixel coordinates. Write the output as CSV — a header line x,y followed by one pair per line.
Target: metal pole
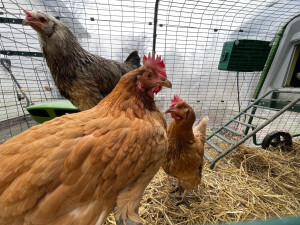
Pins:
x,y
155,25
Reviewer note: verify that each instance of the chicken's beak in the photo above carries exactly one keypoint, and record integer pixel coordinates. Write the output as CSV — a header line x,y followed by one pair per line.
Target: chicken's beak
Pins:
x,y
169,111
165,83
28,18
25,22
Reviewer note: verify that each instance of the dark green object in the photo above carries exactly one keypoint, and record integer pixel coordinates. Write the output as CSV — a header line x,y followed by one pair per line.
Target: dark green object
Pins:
x,y
10,20
280,221
21,53
244,55
155,25
49,110
15,20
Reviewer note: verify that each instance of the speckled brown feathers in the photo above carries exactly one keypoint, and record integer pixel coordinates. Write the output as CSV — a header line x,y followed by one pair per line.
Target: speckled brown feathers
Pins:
x,y
81,77
77,168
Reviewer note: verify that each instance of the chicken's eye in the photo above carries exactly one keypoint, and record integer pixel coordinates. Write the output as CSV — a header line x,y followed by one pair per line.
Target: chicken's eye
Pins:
x,y
42,19
149,75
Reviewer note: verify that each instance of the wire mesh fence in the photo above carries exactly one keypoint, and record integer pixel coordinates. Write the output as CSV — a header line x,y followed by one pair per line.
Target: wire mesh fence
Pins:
x,y
188,34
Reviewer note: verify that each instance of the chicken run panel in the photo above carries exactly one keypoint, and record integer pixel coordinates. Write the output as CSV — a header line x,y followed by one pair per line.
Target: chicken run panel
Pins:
x,y
189,35
244,55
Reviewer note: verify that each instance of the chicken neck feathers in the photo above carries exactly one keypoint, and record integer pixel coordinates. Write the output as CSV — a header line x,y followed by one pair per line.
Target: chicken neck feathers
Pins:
x,y
180,132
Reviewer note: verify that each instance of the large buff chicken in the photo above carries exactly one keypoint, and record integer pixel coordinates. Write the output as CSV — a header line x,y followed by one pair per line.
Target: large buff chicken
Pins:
x,y
77,168
185,155
81,77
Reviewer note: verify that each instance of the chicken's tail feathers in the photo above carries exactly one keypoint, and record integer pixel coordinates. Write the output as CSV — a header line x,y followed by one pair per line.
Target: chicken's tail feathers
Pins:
x,y
205,120
200,129
134,59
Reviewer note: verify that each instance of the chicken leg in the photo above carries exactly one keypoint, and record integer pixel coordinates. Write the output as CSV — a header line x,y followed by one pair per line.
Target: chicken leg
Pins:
x,y
177,188
183,198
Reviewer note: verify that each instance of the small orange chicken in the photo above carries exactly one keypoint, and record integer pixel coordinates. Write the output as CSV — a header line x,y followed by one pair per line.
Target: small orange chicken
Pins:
x,y
184,159
77,168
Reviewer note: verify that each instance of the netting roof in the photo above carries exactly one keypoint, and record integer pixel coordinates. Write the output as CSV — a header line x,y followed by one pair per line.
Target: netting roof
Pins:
x,y
189,36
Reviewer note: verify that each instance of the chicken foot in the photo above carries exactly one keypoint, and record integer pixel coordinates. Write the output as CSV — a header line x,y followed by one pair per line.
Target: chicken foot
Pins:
x,y
183,199
180,189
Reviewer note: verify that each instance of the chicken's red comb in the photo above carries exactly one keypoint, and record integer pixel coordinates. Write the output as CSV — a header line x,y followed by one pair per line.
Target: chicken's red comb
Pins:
x,y
157,63
175,100
27,12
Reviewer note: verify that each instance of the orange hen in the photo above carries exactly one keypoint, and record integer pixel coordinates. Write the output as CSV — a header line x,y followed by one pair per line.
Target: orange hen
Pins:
x,y
77,168
184,158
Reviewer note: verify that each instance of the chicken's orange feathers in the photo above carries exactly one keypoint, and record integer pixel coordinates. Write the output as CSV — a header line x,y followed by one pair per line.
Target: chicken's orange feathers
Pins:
x,y
157,63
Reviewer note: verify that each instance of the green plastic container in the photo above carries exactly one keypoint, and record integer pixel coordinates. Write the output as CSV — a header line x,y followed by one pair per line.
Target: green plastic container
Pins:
x,y
244,55
49,110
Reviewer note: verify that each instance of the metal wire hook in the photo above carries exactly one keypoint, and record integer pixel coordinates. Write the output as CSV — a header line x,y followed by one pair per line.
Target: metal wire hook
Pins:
x,y
6,63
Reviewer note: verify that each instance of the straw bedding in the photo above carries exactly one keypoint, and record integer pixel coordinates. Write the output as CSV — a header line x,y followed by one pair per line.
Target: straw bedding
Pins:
x,y
250,183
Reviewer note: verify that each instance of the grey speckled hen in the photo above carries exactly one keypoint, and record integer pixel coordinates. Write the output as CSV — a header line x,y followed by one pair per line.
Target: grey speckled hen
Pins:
x,y
81,77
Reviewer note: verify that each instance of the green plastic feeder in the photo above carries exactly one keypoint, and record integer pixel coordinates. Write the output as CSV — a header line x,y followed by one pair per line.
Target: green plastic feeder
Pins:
x,y
48,110
244,55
